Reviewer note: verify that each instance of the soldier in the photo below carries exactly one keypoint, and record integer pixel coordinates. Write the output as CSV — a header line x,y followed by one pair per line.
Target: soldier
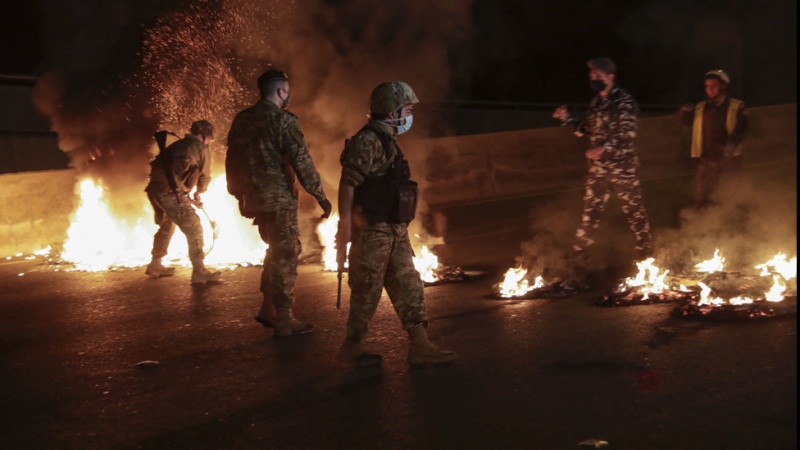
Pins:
x,y
610,123
377,200
266,152
181,167
719,125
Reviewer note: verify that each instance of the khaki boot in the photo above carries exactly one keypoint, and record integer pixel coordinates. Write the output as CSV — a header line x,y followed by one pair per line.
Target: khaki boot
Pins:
x,y
286,325
156,270
351,351
203,275
422,351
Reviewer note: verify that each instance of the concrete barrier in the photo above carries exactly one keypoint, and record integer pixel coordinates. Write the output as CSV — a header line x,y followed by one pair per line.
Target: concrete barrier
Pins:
x,y
484,167
37,206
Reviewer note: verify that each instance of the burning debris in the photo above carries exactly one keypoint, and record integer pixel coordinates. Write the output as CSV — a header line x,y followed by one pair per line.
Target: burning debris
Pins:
x,y
732,296
713,292
650,285
516,285
449,274
709,291
736,309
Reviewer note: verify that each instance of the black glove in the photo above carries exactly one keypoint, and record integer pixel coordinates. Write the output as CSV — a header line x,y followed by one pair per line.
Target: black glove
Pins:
x,y
326,208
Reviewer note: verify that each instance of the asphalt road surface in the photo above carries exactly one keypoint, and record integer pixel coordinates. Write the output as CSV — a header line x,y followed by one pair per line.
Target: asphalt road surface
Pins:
x,y
551,374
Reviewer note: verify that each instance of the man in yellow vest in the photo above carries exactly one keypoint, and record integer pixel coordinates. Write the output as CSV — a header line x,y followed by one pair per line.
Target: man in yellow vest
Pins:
x,y
719,125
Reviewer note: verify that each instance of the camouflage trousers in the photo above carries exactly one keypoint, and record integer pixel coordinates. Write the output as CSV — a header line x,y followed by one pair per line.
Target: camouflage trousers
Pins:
x,y
280,231
597,192
170,211
381,257
709,172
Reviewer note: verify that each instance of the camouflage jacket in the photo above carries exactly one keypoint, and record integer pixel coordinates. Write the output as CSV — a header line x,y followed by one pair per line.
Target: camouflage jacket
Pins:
x,y
188,161
610,123
266,152
364,156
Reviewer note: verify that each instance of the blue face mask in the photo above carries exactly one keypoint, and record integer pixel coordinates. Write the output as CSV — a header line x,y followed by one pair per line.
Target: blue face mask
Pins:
x,y
406,125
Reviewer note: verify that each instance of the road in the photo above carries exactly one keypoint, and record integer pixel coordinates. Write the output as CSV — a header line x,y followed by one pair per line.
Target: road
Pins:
x,y
532,374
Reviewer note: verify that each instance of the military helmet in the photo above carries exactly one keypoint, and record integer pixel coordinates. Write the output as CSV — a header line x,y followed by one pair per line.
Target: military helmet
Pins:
x,y
202,127
391,96
719,75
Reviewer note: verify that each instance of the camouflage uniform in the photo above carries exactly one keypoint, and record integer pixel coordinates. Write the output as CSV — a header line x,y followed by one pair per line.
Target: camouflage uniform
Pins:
x,y
611,123
190,168
380,253
266,151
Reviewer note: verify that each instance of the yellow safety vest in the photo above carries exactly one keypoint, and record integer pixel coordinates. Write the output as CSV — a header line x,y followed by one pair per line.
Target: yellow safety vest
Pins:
x,y
697,127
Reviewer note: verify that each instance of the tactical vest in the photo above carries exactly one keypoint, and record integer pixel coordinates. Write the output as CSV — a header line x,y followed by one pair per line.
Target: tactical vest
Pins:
x,y
391,196
697,126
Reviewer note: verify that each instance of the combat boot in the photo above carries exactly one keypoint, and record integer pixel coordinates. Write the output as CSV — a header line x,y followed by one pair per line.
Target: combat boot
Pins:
x,y
266,315
203,275
156,270
286,325
422,351
351,351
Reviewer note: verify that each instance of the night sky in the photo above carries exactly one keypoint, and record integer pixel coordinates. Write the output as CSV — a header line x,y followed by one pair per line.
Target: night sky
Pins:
x,y
507,50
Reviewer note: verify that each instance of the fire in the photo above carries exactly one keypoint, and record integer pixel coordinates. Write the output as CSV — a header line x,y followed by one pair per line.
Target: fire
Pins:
x,y
426,264
98,240
515,284
774,294
327,236
649,279
715,264
779,264
781,271
706,298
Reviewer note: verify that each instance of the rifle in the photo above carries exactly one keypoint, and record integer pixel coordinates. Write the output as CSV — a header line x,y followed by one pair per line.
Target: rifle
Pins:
x,y
341,258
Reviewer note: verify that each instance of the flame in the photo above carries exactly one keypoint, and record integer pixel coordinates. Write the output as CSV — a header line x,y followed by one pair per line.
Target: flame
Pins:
x,y
98,240
515,283
648,280
95,239
426,264
327,236
706,298
779,264
775,294
715,264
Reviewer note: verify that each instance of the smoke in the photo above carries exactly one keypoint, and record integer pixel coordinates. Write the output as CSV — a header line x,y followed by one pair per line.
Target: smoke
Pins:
x,y
118,71
754,218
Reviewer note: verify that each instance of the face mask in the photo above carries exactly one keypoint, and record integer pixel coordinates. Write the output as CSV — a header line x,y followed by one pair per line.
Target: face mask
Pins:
x,y
284,101
597,85
406,126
